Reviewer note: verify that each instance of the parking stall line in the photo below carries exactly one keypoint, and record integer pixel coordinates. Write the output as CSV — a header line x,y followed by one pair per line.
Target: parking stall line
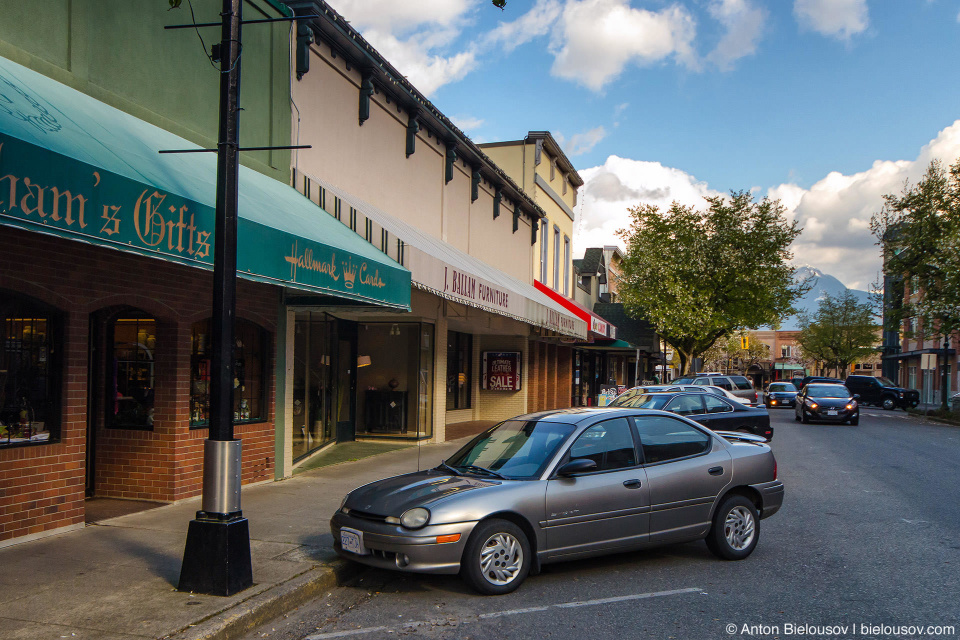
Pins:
x,y
509,612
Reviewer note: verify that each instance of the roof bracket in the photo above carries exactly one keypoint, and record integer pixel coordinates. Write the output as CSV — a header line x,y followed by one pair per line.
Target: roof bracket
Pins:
x,y
413,128
475,185
516,216
451,160
497,198
366,91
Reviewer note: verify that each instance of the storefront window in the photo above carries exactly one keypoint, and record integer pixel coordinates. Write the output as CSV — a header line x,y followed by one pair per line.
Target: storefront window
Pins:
x,y
459,356
30,371
313,384
132,379
392,380
249,373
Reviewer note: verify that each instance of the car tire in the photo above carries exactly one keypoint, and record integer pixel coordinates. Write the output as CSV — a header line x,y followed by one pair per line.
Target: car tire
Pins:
x,y
888,403
855,421
497,557
735,530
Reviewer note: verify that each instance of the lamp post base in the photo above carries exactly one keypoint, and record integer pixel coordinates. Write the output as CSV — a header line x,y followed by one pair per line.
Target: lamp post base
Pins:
x,y
216,559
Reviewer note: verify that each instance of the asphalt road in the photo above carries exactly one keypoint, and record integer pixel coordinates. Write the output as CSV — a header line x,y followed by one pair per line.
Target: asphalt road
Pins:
x,y
869,535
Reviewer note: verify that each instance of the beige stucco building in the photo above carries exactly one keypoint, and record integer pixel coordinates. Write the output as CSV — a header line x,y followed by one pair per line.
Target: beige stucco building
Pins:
x,y
479,337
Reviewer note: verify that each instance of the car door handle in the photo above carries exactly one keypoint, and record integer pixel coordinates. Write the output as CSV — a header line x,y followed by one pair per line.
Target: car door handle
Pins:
x,y
632,484
715,471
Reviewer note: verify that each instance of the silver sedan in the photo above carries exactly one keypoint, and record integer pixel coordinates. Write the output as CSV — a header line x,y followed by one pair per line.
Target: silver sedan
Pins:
x,y
563,485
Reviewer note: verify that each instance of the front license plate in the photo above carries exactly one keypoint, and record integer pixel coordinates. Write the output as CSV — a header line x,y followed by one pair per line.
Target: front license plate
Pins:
x,y
831,413
352,540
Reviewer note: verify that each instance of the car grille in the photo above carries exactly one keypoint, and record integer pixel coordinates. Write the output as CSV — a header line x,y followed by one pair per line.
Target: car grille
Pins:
x,y
365,515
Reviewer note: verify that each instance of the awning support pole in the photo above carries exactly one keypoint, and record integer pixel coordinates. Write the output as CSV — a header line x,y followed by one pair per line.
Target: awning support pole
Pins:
x,y
216,559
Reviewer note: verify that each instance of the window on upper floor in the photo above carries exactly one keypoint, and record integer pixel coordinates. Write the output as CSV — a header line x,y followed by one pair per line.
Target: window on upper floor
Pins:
x,y
544,247
566,266
556,258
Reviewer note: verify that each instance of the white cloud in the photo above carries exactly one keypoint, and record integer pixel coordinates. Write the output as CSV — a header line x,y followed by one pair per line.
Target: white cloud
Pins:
x,y
581,143
393,16
595,39
835,212
620,183
533,24
839,19
744,26
428,72
467,123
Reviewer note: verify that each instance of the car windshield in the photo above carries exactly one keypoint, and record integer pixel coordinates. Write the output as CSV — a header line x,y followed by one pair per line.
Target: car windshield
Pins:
x,y
782,386
887,382
515,449
827,391
643,401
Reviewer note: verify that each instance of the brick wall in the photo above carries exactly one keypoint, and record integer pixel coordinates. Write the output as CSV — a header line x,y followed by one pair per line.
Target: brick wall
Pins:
x,y
42,487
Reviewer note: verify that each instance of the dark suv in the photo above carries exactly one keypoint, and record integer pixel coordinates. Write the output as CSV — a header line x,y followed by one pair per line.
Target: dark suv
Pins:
x,y
882,392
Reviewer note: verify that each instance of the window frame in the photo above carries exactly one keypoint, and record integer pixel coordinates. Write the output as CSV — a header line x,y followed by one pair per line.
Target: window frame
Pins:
x,y
723,401
566,265
638,458
687,423
556,258
468,350
681,396
544,250
196,358
110,389
25,306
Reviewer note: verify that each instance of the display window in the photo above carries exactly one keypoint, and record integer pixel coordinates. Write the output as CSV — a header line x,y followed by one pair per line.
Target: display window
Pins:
x,y
31,371
459,369
249,373
131,384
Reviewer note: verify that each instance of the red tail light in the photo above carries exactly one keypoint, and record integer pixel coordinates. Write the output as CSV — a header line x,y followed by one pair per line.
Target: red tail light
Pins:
x,y
774,468
754,396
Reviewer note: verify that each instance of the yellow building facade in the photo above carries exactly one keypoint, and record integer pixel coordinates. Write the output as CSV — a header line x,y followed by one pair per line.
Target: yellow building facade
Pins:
x,y
542,170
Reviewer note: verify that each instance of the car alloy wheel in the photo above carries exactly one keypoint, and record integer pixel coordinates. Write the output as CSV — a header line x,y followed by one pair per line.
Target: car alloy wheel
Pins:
x,y
889,404
739,528
497,557
735,530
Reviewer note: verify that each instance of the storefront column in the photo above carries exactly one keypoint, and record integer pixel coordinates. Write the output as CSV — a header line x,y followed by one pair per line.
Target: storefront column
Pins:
x,y
283,420
533,377
564,377
440,381
551,401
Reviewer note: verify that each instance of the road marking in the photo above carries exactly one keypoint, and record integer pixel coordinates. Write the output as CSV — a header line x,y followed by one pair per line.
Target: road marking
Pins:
x,y
509,612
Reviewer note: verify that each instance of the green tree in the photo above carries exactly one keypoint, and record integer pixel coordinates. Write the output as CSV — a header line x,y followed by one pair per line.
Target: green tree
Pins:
x,y
728,354
840,332
919,233
698,276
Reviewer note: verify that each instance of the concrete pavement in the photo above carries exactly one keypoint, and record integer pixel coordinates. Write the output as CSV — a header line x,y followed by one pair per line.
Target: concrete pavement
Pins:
x,y
116,580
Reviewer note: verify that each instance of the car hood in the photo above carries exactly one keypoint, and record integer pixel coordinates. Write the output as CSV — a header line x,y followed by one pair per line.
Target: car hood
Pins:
x,y
393,496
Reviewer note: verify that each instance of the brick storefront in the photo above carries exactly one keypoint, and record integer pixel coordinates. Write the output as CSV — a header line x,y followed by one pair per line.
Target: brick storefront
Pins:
x,y
42,486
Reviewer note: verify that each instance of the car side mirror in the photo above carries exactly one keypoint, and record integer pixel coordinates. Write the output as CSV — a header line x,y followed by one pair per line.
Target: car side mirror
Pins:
x,y
856,396
577,466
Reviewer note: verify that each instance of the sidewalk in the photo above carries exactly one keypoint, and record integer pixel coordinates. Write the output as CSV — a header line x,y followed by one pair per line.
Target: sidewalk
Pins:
x,y
116,580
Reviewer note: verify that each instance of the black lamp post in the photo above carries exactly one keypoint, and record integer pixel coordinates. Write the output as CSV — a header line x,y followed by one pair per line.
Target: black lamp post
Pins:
x,y
216,560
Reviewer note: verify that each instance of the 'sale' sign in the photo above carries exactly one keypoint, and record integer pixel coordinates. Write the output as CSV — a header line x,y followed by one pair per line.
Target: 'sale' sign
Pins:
x,y
501,370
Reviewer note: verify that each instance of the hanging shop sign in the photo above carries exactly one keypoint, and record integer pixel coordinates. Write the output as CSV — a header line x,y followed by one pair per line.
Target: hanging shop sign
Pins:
x,y
501,370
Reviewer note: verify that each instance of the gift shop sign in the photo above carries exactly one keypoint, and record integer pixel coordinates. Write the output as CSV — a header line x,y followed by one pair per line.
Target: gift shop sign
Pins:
x,y
501,370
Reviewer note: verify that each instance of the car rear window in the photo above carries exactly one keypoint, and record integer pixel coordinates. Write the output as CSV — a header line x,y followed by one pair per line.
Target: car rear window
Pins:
x,y
742,383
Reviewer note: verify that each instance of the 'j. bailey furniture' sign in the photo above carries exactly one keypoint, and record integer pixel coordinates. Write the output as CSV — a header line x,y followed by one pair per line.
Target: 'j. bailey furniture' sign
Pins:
x,y
501,370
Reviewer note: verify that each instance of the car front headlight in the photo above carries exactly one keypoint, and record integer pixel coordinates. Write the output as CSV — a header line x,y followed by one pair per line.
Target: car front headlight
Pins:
x,y
851,406
415,518
344,501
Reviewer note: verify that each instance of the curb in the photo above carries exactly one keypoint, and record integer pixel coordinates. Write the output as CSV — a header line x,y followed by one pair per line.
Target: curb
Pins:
x,y
246,616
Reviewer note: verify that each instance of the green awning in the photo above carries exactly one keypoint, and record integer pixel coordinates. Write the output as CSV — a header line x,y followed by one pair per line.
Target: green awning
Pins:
x,y
77,168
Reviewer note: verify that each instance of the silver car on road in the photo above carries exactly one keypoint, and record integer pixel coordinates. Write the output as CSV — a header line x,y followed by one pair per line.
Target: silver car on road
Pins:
x,y
562,485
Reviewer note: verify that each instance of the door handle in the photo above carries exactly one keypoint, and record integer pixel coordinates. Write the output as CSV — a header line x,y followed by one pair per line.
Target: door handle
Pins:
x,y
715,471
632,484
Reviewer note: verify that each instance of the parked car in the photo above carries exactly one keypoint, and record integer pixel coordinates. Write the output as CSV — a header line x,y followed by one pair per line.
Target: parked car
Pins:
x,y
827,403
706,408
808,379
563,485
797,381
708,388
780,394
882,392
739,386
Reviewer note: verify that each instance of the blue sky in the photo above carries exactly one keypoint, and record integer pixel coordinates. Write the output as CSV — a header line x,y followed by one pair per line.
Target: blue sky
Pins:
x,y
824,104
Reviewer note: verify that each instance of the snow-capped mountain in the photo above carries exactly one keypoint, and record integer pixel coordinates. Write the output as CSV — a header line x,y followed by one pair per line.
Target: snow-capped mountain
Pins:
x,y
823,284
